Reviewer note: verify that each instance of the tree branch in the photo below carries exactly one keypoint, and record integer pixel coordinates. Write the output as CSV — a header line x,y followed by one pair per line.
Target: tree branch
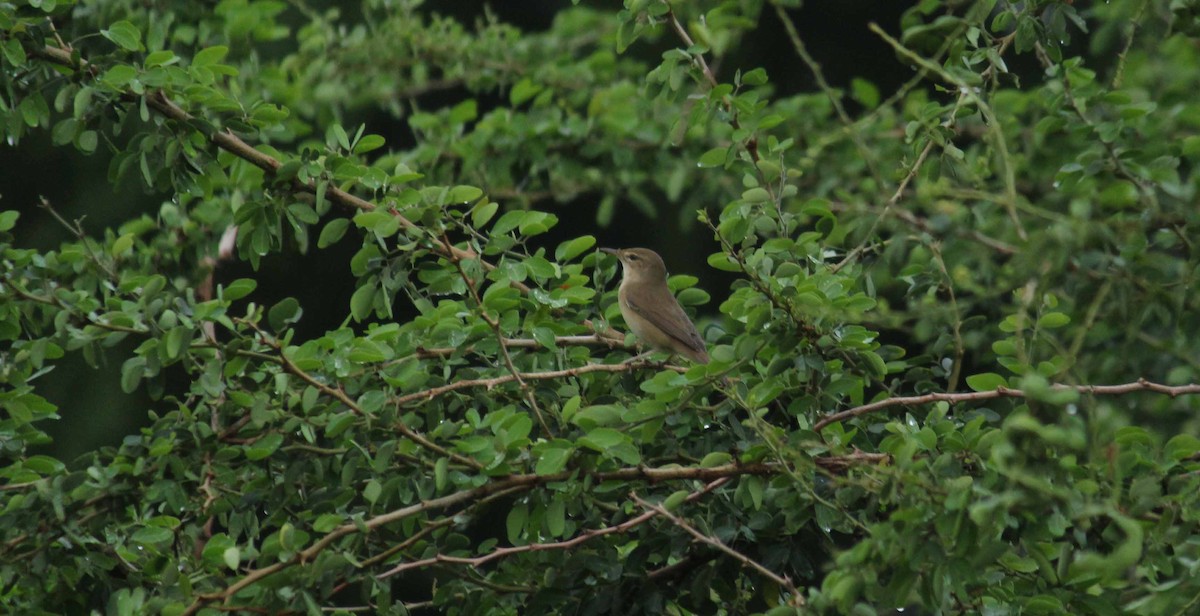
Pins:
x,y
1005,392
228,141
489,383
538,547
797,598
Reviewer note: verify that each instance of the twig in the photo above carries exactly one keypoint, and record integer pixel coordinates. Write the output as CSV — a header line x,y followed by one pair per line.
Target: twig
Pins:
x,y
1005,392
489,383
912,172
923,225
968,91
783,581
752,141
495,325
956,370
499,553
76,229
847,123
1118,165
1135,24
596,339
512,482
228,141
341,396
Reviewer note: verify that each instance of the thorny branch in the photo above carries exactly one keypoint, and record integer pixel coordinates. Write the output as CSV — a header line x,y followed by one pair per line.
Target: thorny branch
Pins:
x,y
499,553
1005,392
797,598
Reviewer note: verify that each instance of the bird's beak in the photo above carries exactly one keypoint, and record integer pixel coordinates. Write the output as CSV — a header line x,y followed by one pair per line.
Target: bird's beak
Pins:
x,y
610,251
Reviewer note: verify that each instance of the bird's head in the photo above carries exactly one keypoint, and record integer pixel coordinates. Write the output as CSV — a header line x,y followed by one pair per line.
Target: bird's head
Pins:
x,y
640,264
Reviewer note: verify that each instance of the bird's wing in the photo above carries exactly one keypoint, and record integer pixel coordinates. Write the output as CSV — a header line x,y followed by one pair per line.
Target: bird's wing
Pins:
x,y
665,313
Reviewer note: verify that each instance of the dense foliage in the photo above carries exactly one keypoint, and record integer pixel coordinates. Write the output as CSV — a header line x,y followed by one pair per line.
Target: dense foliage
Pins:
x,y
955,370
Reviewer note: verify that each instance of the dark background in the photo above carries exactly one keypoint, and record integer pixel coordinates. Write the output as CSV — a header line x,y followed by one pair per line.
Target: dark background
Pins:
x,y
95,412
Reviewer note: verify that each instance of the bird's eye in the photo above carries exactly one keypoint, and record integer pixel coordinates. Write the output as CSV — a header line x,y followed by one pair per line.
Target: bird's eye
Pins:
x,y
633,257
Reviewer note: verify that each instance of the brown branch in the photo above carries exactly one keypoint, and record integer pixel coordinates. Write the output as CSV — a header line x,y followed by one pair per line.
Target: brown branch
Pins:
x,y
797,598
1114,157
228,141
495,325
752,142
1005,392
895,198
341,396
489,383
606,339
499,553
815,68
513,482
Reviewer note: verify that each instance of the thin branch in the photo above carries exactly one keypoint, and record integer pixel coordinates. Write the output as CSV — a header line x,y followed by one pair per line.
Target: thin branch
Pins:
x,y
923,225
228,141
499,553
489,383
597,339
912,172
783,581
1147,192
752,141
956,369
495,325
847,123
968,91
1135,24
1005,392
513,482
340,395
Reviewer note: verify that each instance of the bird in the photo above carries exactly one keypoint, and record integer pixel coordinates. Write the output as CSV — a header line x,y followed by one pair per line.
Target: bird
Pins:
x,y
649,308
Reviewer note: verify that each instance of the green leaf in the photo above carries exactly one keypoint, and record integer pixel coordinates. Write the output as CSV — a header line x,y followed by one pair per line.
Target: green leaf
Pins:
x,y
483,212
238,289
131,373
327,522
372,491
715,157
232,557
264,446
333,231
602,439
1053,320
440,470
722,261
553,458
672,502
572,248
125,34
122,244
284,313
175,340
522,91
119,75
716,458
756,77
987,381
463,194
8,219
87,141
362,303
515,522
369,143
209,56
556,517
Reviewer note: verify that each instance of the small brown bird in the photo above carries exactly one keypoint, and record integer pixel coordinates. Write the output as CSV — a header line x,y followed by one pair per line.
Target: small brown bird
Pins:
x,y
649,308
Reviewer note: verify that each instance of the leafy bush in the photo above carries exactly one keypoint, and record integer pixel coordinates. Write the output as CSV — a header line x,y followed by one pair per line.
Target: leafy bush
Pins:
x,y
955,370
